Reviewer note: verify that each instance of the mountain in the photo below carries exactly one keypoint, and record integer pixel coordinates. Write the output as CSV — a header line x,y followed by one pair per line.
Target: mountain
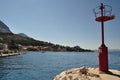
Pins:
x,y
23,35
13,40
4,28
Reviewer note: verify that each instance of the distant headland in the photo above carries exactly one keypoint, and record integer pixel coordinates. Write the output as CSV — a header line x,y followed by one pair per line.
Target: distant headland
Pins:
x,y
10,42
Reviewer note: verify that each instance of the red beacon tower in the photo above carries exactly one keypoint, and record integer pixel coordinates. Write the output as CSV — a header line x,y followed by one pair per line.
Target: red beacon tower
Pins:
x,y
102,14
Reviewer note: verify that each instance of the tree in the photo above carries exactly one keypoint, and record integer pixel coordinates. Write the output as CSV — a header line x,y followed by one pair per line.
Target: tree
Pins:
x,y
12,45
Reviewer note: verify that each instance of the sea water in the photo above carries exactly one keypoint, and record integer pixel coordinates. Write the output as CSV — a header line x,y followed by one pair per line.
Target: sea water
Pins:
x,y
45,66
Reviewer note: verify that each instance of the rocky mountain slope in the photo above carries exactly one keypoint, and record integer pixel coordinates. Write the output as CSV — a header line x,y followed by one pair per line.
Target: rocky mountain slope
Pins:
x,y
4,28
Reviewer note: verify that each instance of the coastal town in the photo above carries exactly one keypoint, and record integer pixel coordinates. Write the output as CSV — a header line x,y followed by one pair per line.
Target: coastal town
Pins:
x,y
9,50
11,43
5,51
13,49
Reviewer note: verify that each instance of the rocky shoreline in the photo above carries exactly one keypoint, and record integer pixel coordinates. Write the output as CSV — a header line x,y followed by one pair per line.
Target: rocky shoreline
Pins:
x,y
84,73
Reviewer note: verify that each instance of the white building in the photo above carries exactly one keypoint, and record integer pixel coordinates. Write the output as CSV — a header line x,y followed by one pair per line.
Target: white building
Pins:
x,y
3,47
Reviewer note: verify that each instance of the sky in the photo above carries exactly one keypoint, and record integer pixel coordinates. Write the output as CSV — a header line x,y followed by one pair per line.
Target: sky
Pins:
x,y
64,22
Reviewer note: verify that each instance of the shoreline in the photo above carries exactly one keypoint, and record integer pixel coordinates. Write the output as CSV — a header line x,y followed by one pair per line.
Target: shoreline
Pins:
x,y
84,73
11,54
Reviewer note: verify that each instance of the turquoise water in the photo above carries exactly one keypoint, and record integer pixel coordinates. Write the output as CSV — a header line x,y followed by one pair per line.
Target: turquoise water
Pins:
x,y
44,66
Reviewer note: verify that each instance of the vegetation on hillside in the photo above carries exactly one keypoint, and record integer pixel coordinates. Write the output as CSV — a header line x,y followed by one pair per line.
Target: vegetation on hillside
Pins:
x,y
13,40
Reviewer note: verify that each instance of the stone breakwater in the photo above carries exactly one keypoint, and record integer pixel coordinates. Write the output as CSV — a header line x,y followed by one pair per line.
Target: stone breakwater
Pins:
x,y
11,54
88,74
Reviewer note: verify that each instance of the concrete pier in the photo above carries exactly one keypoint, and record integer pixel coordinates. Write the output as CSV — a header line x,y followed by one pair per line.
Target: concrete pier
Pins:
x,y
11,54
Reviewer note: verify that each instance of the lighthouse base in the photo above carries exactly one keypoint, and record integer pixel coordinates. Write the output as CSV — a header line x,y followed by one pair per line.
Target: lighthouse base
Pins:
x,y
103,58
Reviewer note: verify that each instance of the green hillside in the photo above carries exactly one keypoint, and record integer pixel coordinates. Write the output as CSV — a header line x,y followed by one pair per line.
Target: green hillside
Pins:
x,y
14,39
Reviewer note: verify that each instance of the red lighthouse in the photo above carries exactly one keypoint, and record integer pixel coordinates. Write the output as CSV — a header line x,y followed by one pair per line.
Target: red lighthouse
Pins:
x,y
102,14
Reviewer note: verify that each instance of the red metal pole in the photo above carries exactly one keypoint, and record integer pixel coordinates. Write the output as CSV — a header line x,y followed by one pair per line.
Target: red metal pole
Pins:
x,y
102,23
